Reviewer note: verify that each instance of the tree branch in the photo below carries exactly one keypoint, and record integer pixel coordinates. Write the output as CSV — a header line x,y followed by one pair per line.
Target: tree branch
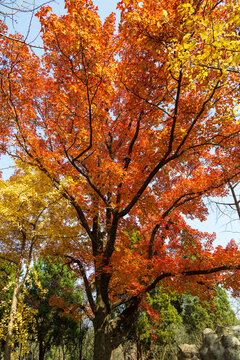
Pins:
x,y
86,282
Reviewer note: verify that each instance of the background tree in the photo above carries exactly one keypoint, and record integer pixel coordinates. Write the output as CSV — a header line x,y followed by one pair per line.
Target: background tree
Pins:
x,y
28,220
134,135
168,319
7,273
198,315
59,319
157,326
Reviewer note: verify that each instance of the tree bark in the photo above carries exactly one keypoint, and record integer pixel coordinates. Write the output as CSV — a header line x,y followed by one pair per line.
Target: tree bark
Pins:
x,y
80,350
102,337
139,350
42,350
13,310
110,333
80,341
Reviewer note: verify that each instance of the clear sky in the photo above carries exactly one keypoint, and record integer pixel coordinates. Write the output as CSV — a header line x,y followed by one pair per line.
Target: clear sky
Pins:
x,y
105,7
225,229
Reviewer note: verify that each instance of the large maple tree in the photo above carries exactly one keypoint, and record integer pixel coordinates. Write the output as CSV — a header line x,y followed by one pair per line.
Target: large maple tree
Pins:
x,y
135,125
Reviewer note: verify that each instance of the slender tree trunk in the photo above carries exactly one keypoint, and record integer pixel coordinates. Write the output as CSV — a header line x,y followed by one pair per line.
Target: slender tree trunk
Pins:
x,y
42,350
139,350
80,342
13,310
164,352
63,352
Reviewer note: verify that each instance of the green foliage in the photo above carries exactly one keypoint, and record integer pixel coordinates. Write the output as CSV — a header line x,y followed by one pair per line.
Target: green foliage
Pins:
x,y
157,325
198,315
58,319
7,274
163,303
169,318
223,314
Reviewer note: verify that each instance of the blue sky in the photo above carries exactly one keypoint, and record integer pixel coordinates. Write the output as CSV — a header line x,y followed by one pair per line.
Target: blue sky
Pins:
x,y
105,7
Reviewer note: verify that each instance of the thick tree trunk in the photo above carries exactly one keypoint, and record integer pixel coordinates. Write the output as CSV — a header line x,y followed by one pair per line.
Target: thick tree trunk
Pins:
x,y
102,339
109,333
102,349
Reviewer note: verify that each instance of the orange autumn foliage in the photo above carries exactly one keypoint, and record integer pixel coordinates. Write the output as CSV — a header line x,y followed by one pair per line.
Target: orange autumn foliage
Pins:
x,y
136,125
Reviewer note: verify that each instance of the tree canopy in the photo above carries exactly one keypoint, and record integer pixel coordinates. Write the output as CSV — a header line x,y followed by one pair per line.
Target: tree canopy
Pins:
x,y
134,125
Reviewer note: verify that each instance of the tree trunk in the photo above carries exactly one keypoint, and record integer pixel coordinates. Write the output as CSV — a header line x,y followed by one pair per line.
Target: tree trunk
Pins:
x,y
110,333
102,345
42,350
102,337
139,350
164,352
13,310
80,351
80,342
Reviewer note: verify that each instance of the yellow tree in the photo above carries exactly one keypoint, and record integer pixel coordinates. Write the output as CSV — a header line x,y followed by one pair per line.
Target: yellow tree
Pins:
x,y
30,218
